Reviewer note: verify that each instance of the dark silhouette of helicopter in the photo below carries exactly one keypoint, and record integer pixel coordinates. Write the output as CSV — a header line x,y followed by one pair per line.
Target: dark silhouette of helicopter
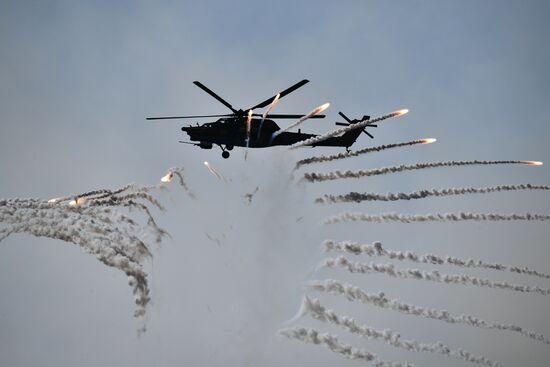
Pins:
x,y
247,129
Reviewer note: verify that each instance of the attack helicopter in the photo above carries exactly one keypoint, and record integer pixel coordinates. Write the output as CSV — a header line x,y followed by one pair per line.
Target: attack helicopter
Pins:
x,y
244,128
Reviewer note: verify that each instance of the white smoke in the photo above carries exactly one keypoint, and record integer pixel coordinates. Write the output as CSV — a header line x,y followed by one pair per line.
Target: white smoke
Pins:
x,y
359,125
319,177
264,115
178,171
96,222
434,276
214,172
313,336
380,300
333,157
314,308
302,119
376,249
372,196
445,217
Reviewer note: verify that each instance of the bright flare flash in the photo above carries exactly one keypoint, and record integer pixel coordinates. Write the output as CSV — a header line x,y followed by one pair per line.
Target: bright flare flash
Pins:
x,y
533,163
77,201
428,140
168,177
401,112
320,109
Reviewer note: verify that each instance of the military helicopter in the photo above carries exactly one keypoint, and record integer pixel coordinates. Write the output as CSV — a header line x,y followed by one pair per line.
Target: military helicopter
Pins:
x,y
253,130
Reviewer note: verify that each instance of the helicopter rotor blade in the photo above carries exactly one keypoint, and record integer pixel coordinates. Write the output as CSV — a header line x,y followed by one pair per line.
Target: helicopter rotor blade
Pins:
x,y
186,117
220,99
344,117
341,124
366,132
288,116
281,95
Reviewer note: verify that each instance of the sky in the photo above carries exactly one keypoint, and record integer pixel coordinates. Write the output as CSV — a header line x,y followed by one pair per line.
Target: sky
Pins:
x,y
79,78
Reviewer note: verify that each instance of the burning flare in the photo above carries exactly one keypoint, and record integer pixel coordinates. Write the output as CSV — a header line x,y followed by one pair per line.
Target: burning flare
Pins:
x,y
168,177
75,201
428,140
213,171
533,163
272,104
248,120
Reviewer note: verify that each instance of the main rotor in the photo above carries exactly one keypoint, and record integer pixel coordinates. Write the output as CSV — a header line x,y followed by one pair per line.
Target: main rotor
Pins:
x,y
240,113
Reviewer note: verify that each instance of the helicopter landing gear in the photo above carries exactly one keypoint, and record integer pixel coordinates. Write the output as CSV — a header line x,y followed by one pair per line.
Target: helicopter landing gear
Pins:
x,y
225,153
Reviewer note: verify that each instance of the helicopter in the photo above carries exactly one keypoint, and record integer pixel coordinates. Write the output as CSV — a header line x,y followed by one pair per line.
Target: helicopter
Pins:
x,y
244,128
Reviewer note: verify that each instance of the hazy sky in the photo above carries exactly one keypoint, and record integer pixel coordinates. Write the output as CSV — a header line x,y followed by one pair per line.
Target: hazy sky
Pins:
x,y
79,78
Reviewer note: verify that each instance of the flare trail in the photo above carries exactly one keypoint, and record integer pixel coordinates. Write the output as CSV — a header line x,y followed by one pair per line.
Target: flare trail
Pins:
x,y
438,217
314,308
359,125
319,177
333,157
357,197
380,300
434,276
376,249
313,336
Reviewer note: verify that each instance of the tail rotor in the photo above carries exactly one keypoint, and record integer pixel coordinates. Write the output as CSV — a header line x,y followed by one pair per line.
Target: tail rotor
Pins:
x,y
355,121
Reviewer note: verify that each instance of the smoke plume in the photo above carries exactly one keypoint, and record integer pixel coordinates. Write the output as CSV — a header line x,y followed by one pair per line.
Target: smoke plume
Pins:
x,y
313,336
333,157
96,222
433,276
380,300
445,217
314,308
357,197
319,177
376,249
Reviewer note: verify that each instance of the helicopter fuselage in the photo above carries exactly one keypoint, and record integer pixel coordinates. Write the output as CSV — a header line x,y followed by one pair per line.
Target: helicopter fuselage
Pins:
x,y
231,132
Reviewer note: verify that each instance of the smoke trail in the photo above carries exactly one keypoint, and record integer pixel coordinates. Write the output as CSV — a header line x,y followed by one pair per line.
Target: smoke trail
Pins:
x,y
357,197
445,217
433,276
94,222
249,195
109,236
178,171
312,113
213,171
271,105
314,309
318,177
328,158
313,336
380,300
376,249
359,125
